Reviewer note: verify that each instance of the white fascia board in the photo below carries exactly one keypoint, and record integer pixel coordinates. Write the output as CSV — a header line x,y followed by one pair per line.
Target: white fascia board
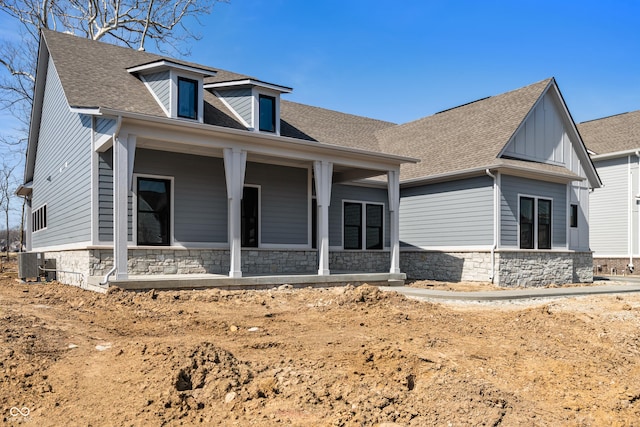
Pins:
x,y
163,64
255,141
89,111
249,82
608,156
481,171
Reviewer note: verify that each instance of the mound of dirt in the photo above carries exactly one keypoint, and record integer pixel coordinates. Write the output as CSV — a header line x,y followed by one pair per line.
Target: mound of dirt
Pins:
x,y
342,356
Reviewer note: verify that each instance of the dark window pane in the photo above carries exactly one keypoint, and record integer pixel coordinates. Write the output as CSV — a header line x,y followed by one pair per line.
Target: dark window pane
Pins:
x,y
352,226
544,224
249,208
187,98
154,210
374,227
267,113
526,223
574,216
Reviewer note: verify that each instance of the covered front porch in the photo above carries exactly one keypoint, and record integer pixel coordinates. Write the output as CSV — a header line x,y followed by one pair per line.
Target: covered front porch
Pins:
x,y
237,155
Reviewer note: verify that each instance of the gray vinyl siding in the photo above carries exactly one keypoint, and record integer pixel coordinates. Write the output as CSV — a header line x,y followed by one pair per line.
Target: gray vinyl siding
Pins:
x,y
160,84
512,187
284,202
240,100
105,200
62,174
609,208
340,193
455,213
200,193
542,137
103,127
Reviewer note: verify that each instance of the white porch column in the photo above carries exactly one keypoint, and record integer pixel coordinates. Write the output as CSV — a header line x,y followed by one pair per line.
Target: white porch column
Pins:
x,y
323,171
393,189
235,161
123,149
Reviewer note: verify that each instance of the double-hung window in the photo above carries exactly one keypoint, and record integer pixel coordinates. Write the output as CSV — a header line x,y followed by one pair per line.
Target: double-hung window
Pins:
x,y
187,98
535,223
363,225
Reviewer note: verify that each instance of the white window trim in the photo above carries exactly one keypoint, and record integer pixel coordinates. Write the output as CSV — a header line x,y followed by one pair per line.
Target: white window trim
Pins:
x,y
134,209
255,110
363,223
33,223
259,187
535,221
173,95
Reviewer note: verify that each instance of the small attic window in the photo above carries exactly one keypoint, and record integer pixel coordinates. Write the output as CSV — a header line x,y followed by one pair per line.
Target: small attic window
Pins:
x,y
267,113
187,98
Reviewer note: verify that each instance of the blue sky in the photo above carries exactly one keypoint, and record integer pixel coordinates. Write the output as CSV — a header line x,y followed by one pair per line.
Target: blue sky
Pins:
x,y
400,61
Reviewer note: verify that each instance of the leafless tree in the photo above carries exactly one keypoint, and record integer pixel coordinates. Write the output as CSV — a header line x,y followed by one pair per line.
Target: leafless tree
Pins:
x,y
7,188
132,23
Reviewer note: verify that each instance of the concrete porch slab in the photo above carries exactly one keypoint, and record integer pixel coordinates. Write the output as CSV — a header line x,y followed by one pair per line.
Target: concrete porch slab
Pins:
x,y
203,281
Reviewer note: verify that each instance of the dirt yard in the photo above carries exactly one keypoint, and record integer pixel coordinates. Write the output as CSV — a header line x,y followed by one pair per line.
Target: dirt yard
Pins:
x,y
313,357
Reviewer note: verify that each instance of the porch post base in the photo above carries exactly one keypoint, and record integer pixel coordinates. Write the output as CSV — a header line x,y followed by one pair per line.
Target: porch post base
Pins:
x,y
323,272
235,274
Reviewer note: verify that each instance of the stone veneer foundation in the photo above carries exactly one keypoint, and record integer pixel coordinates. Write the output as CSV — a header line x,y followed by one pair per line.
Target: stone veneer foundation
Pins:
x,y
512,268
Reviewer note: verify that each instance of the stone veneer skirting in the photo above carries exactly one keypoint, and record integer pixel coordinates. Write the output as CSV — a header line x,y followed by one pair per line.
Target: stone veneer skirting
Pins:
x,y
512,268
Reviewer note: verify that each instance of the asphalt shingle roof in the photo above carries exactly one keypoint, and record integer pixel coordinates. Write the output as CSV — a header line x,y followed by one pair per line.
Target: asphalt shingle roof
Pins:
x,y
467,137
612,134
464,138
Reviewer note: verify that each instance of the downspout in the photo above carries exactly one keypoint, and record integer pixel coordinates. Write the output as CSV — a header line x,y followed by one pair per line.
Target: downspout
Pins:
x,y
495,225
630,266
105,280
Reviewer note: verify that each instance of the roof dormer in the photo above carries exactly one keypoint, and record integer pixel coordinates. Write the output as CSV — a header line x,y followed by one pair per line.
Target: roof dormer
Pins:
x,y
178,88
254,103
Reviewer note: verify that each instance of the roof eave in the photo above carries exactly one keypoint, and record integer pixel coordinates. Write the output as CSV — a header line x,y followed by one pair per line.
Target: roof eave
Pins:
x,y
613,155
248,82
501,168
237,133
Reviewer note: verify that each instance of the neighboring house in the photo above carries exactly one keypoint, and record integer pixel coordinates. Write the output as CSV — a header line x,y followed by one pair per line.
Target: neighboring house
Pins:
x,y
614,143
501,192
140,164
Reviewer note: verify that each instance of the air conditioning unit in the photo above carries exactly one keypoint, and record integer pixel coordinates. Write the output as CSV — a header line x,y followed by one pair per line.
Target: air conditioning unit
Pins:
x,y
28,265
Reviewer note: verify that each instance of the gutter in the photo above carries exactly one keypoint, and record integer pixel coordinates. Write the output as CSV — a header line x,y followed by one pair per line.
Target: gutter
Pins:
x,y
105,280
495,224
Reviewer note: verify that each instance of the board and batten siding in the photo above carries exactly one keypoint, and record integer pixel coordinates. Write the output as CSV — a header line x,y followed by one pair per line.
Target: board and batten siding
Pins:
x,y
160,85
62,173
284,202
240,100
456,213
609,214
353,193
542,137
512,187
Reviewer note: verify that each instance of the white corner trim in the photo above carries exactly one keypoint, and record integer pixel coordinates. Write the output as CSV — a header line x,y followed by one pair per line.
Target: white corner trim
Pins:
x,y
153,93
